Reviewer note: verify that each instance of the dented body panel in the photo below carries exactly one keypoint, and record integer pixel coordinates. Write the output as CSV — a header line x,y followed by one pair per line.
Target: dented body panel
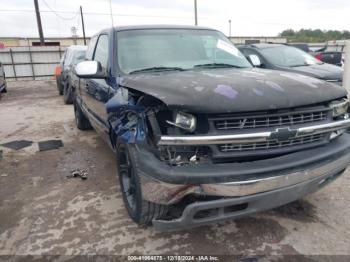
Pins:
x,y
233,90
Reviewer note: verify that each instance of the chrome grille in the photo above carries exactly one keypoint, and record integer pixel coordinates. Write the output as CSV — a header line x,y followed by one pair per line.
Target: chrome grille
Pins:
x,y
272,144
271,120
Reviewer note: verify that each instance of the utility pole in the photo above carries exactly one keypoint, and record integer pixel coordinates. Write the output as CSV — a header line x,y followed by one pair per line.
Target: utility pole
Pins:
x,y
82,24
74,34
110,8
38,19
195,13
229,29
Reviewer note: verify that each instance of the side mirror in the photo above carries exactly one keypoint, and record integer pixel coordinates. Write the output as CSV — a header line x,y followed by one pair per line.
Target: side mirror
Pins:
x,y
90,69
254,60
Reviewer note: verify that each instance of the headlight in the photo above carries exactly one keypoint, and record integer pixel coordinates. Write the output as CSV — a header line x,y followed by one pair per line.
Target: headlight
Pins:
x,y
184,121
339,107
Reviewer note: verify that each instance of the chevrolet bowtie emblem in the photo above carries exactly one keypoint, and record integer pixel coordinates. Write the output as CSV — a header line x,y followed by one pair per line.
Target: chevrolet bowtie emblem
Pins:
x,y
283,134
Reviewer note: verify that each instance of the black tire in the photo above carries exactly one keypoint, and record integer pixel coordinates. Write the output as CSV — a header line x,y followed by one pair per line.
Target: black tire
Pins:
x,y
68,94
59,87
80,119
140,210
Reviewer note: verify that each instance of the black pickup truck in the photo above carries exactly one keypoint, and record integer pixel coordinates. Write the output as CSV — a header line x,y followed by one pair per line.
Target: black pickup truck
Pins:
x,y
199,134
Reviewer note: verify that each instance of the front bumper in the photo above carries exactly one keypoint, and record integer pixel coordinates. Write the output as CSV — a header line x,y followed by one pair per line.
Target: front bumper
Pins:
x,y
224,209
259,185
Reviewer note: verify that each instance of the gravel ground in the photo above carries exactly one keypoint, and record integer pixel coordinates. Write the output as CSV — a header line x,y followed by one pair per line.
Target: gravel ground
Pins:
x,y
43,212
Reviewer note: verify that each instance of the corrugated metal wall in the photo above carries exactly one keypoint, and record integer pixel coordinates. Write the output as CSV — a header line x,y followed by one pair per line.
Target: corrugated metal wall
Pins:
x,y
30,62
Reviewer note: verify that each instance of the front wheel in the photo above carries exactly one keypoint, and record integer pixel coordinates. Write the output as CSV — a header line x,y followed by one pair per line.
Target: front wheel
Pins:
x,y
141,211
68,94
80,119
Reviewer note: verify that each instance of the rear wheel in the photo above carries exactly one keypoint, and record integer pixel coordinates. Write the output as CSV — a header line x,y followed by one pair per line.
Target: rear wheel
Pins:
x,y
59,87
141,211
68,94
80,119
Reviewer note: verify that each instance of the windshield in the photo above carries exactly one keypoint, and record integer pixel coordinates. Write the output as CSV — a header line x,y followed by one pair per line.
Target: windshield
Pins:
x,y
178,49
79,56
288,56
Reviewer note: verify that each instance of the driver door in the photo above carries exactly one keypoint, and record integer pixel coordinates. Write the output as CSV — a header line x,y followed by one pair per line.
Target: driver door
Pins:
x,y
96,90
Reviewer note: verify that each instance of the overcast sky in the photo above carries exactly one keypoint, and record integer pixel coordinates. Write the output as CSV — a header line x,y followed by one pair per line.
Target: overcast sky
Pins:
x,y
249,17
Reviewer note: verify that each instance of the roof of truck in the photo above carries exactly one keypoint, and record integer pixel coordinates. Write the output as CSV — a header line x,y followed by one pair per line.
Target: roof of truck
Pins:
x,y
140,27
262,45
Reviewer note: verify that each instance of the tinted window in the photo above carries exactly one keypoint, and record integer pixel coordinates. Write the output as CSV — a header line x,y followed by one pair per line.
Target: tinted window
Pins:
x,y
288,56
101,51
79,56
184,48
63,57
91,48
68,58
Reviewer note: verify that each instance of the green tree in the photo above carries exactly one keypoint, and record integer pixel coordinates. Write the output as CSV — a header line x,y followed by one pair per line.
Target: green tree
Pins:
x,y
314,36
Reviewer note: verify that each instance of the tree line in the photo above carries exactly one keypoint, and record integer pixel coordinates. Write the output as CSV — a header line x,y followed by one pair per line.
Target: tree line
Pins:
x,y
314,36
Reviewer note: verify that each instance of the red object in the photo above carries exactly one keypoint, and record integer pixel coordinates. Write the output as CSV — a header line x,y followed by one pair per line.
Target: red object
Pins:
x,y
319,57
2,45
58,71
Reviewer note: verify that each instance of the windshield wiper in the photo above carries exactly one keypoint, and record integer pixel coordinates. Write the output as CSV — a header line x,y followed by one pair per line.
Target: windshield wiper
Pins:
x,y
218,65
157,68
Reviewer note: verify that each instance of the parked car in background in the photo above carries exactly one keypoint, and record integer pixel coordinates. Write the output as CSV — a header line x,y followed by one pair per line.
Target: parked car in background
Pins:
x,y
3,85
291,59
301,46
65,76
329,55
199,134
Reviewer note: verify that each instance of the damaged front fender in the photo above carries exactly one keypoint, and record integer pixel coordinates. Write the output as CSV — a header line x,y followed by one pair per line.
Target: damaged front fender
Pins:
x,y
126,119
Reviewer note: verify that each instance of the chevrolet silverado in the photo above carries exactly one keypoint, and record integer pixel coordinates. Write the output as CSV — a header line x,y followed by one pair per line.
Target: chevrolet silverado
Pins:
x,y
199,134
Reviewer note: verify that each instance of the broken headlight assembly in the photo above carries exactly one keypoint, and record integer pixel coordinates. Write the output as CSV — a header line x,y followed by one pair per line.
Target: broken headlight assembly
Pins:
x,y
339,112
180,123
184,121
340,108
184,155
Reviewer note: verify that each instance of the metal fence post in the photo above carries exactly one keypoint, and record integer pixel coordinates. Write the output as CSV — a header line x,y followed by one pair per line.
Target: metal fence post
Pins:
x,y
31,62
13,65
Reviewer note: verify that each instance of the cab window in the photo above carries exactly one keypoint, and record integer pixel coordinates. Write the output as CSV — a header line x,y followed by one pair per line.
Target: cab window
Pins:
x,y
91,48
101,51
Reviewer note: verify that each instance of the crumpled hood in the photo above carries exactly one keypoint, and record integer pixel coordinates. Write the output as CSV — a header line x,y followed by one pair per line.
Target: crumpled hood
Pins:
x,y
323,71
232,90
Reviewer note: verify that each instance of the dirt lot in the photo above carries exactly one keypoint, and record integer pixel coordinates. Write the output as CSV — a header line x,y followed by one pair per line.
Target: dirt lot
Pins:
x,y
43,212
